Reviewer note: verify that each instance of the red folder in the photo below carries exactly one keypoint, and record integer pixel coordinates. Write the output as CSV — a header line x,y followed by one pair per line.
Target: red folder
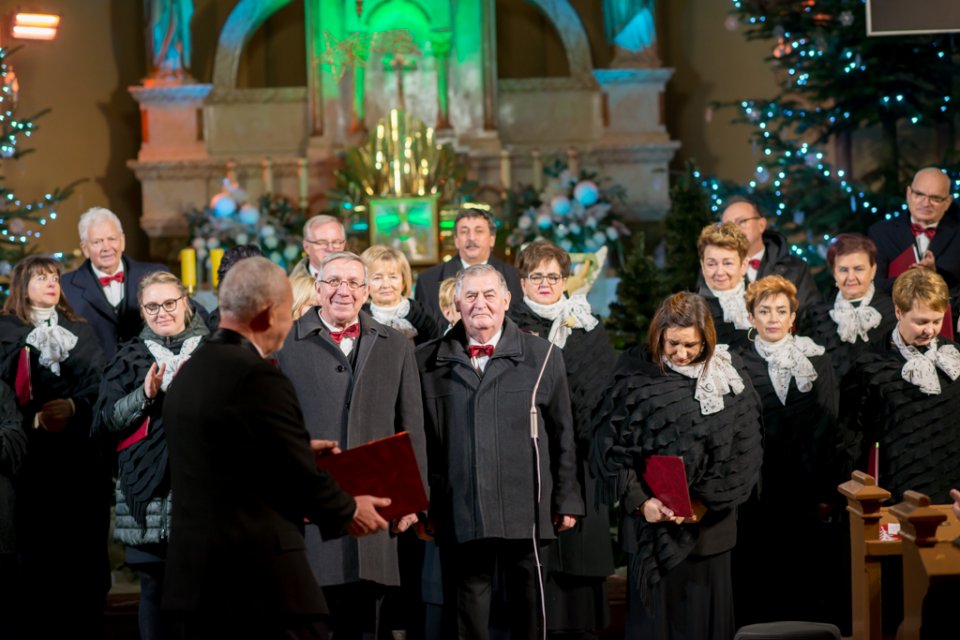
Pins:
x,y
903,262
21,383
136,436
386,468
667,478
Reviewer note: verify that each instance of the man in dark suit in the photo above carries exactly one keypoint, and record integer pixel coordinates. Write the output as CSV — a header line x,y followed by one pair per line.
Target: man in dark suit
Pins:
x,y
927,230
477,383
475,233
245,478
371,390
103,290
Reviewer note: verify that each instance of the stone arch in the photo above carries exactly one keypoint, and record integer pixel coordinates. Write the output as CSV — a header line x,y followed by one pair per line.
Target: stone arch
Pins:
x,y
240,26
573,36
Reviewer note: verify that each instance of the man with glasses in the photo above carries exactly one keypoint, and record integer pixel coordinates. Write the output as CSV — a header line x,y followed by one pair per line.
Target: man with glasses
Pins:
x,y
769,253
103,290
322,234
927,239
356,381
475,233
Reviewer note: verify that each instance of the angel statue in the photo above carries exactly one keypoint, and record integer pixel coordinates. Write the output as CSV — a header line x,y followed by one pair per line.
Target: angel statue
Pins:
x,y
168,35
631,27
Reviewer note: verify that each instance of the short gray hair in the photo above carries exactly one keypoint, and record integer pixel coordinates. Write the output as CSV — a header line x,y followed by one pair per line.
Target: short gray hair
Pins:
x,y
349,256
319,221
250,286
93,216
478,270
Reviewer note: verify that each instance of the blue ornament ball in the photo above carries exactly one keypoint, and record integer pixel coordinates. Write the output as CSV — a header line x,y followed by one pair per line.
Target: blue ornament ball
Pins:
x,y
587,193
223,205
544,221
249,214
560,205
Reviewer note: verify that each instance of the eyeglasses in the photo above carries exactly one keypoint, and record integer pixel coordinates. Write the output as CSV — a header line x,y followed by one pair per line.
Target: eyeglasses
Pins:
x,y
153,308
537,278
919,195
328,244
334,283
742,221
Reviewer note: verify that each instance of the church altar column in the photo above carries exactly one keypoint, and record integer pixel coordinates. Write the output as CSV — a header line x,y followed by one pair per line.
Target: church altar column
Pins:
x,y
441,53
358,112
490,100
314,70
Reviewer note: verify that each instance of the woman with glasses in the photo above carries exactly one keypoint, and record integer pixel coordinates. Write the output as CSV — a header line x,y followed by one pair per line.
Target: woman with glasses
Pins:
x,y
390,281
129,413
723,261
578,562
681,394
860,315
52,359
799,398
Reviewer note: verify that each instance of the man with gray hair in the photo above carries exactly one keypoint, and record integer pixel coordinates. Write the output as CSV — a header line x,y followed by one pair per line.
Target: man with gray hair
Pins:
x,y
103,290
322,235
480,383
244,474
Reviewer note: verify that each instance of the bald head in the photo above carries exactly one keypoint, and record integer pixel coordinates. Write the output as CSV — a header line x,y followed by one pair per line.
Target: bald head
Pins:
x,y
749,220
255,301
928,196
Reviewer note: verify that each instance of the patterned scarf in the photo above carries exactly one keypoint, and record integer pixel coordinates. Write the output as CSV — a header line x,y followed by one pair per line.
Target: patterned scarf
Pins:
x,y
49,338
395,317
921,368
714,379
567,314
174,361
734,306
789,358
855,321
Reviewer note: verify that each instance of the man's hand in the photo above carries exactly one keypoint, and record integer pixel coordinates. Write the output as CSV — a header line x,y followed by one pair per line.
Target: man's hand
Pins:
x,y
325,447
563,523
956,502
151,384
55,414
404,523
366,520
655,511
928,262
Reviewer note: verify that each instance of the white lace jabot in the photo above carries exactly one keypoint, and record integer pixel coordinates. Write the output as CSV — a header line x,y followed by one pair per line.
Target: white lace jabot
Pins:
x,y
567,314
714,380
734,306
854,322
173,360
50,339
789,358
921,367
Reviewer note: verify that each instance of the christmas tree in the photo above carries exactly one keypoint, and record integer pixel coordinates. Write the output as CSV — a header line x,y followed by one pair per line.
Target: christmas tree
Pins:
x,y
21,221
640,291
689,214
838,87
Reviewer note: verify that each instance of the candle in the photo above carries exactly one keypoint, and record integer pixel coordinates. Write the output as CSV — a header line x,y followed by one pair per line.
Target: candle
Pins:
x,y
266,175
302,178
572,165
188,268
505,178
537,170
216,255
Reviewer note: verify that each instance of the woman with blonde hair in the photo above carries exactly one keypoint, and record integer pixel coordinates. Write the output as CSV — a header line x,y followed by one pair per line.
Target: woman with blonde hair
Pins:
x,y
304,294
390,282
723,261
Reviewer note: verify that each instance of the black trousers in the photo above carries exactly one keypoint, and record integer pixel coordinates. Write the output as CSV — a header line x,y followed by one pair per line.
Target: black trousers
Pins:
x,y
468,574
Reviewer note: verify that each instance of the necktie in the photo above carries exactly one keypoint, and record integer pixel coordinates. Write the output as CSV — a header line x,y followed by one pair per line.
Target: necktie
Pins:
x,y
755,264
927,231
353,331
477,350
106,280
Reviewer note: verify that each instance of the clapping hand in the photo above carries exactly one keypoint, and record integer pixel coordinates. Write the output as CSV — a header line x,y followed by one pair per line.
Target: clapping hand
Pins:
x,y
154,380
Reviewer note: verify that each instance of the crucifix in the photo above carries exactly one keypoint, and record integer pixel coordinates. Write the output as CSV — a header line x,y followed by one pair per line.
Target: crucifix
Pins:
x,y
400,63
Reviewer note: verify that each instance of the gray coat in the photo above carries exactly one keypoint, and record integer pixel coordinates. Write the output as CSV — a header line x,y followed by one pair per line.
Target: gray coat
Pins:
x,y
377,397
478,438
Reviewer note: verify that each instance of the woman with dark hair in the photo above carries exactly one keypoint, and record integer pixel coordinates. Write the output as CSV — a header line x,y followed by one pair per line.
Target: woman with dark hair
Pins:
x,y
798,395
52,360
723,261
577,563
130,408
860,316
680,395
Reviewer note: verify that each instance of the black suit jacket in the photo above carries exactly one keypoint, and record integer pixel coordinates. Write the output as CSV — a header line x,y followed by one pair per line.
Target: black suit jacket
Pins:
x,y
893,237
244,478
85,295
427,291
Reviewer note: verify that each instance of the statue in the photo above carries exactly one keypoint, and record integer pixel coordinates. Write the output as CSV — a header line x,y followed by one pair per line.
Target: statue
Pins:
x,y
630,26
168,35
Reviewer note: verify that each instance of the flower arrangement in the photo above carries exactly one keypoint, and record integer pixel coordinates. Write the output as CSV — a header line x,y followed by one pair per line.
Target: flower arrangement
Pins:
x,y
274,223
577,213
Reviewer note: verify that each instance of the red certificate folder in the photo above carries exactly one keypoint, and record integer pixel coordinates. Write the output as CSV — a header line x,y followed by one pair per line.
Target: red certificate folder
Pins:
x,y
667,478
21,383
386,468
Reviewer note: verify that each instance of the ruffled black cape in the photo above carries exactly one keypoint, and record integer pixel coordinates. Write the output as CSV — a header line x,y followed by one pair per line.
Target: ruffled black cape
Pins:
x,y
653,411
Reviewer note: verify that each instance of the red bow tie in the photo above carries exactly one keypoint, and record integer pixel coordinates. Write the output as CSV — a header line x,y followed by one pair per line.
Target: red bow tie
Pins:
x,y
353,331
106,280
477,350
927,231
755,265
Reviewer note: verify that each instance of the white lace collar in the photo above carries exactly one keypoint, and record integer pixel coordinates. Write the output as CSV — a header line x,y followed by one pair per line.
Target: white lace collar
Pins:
x,y
52,341
714,380
174,361
734,306
395,317
921,367
855,322
789,358
567,314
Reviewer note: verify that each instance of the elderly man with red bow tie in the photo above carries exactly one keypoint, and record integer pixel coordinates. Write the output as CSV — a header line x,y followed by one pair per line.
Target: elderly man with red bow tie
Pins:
x,y
103,290
481,382
356,381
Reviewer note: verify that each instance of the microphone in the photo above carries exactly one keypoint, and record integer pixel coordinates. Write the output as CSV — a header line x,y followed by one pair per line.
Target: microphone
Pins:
x,y
534,414
534,438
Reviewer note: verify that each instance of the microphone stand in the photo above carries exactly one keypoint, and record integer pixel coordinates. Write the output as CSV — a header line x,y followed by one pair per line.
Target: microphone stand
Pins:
x,y
537,480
